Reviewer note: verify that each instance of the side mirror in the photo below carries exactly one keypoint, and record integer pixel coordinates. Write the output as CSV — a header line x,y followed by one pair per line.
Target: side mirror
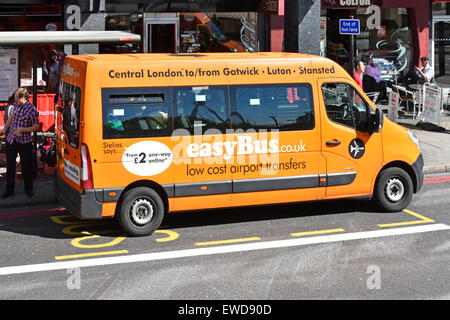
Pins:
x,y
376,121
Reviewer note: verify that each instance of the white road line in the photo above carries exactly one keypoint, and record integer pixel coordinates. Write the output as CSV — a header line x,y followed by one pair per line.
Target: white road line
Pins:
x,y
154,256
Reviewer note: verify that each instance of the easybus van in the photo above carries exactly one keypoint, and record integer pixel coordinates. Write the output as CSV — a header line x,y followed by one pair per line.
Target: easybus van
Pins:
x,y
143,135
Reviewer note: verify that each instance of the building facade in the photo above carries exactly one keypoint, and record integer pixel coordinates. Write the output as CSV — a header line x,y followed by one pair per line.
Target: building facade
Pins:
x,y
395,32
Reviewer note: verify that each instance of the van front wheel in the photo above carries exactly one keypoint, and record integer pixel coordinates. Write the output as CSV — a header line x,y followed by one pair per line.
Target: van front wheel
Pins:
x,y
141,212
394,189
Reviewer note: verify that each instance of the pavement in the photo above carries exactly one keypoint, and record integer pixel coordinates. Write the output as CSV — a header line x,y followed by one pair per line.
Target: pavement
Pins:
x,y
434,143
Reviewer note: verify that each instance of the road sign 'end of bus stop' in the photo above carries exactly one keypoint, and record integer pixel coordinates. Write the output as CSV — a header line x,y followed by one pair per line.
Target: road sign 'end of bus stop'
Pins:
x,y
349,26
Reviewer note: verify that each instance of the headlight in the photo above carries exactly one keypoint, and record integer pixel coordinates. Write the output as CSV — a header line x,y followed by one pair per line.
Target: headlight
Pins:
x,y
414,138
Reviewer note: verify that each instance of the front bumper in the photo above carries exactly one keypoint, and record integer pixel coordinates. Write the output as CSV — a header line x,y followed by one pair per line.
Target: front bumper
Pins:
x,y
418,170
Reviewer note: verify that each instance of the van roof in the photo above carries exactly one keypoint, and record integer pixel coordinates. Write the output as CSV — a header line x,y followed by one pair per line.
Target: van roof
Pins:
x,y
189,56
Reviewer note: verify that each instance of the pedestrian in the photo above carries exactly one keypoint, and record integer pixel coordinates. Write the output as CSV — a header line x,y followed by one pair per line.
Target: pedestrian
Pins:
x,y
8,114
24,121
9,109
357,76
54,73
61,56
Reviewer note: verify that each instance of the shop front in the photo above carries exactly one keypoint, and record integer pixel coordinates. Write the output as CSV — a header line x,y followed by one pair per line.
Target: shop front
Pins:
x,y
394,33
189,32
440,57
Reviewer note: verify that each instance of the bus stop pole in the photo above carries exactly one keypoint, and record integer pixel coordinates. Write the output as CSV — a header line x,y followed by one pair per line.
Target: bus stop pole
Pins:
x,y
352,51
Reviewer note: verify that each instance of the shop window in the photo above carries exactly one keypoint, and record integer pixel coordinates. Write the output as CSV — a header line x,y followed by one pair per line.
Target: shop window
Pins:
x,y
218,32
390,45
281,107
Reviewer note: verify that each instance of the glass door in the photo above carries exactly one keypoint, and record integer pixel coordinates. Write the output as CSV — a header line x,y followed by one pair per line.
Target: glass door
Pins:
x,y
161,34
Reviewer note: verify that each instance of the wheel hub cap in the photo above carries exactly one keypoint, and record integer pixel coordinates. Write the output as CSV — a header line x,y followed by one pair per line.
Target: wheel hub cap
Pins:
x,y
394,190
141,211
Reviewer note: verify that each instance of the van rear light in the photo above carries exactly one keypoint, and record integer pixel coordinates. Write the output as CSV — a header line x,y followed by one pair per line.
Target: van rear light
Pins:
x,y
86,168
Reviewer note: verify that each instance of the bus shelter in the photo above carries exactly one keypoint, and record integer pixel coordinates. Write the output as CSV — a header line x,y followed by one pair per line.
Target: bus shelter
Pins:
x,y
9,39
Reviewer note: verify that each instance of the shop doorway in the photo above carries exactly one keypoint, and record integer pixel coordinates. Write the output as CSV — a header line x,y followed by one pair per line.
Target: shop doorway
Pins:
x,y
441,57
161,35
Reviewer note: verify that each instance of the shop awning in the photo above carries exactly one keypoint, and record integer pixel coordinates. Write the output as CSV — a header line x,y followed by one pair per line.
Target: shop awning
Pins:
x,y
8,38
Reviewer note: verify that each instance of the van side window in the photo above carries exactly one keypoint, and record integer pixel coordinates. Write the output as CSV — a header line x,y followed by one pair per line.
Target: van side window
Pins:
x,y
284,107
70,100
200,108
135,115
345,106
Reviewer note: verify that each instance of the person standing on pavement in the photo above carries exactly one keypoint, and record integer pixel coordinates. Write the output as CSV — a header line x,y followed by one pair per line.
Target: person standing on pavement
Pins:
x,y
54,74
357,76
24,121
10,109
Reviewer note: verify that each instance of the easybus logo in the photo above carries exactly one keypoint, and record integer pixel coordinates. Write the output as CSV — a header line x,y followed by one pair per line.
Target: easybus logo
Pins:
x,y
212,145
244,145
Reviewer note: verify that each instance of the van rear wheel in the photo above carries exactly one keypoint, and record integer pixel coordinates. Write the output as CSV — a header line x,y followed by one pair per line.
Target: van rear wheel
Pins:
x,y
394,189
141,211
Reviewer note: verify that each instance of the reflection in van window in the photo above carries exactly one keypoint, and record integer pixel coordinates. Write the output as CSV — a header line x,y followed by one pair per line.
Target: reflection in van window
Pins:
x,y
345,106
135,115
284,107
71,97
201,108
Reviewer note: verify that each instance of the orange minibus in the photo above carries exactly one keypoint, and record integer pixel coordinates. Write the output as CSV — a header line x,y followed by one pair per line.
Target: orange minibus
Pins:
x,y
142,135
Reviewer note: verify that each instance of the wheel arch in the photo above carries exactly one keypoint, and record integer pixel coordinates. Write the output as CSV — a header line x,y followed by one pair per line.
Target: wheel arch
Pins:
x,y
402,165
148,184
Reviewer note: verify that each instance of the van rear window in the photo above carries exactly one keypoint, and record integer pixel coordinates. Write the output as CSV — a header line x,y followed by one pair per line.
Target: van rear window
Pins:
x,y
70,99
136,115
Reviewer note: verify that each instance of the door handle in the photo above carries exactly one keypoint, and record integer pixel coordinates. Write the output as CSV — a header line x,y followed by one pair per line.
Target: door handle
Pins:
x,y
66,151
333,143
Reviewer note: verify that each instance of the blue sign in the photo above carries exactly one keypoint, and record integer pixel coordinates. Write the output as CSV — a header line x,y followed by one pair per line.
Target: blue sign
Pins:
x,y
349,26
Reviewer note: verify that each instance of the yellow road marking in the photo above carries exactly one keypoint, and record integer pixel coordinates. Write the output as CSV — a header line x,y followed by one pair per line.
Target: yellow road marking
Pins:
x,y
308,233
59,219
172,235
92,254
422,220
227,241
77,242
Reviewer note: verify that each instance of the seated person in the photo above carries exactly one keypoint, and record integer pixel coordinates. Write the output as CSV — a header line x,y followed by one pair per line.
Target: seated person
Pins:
x,y
419,75
426,73
373,71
